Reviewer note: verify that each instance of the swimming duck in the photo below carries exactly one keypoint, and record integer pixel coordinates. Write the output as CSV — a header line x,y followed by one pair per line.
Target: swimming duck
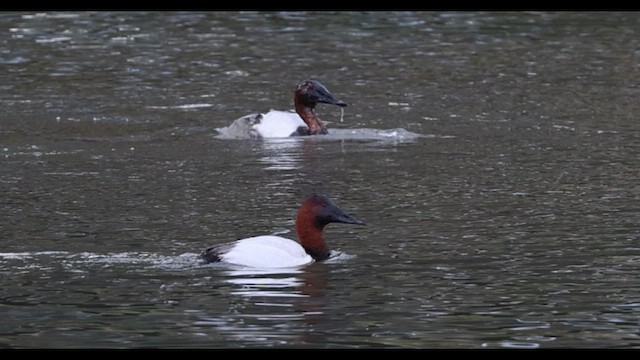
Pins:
x,y
270,251
304,121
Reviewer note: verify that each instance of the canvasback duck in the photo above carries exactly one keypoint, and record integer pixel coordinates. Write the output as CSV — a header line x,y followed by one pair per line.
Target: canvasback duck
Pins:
x,y
277,124
270,251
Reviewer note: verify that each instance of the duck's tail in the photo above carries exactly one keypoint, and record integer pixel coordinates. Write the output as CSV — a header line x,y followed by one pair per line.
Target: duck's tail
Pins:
x,y
214,253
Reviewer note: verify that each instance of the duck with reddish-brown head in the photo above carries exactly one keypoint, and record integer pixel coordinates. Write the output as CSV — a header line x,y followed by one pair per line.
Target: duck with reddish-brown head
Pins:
x,y
269,251
279,124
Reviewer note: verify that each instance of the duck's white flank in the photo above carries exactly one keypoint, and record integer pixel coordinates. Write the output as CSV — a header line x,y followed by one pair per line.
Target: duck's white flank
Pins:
x,y
267,251
278,124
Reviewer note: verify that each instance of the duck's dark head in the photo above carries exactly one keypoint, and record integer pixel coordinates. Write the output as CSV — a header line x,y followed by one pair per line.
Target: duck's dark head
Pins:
x,y
316,211
310,92
319,210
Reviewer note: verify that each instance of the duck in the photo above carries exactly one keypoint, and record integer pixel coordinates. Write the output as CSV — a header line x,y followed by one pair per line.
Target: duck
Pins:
x,y
270,251
281,124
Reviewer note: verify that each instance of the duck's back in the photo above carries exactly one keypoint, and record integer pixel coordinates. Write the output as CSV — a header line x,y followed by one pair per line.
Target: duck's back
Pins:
x,y
265,251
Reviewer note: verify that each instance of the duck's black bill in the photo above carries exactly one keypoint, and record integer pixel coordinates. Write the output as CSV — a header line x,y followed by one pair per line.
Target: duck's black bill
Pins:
x,y
325,96
332,101
347,219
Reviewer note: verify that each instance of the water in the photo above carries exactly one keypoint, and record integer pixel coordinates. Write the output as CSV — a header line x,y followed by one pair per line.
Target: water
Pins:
x,y
509,221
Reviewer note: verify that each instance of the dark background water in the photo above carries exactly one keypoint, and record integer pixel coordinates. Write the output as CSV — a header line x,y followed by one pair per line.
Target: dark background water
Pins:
x,y
512,222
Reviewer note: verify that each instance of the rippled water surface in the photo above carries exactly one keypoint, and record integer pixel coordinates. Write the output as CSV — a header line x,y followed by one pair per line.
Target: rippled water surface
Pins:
x,y
494,157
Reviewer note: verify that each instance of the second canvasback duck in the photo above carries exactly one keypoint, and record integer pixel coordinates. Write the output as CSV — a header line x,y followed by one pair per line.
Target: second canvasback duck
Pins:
x,y
304,121
270,251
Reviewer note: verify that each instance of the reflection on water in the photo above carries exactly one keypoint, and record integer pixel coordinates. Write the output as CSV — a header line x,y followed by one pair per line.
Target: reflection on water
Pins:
x,y
289,300
265,283
286,153
281,154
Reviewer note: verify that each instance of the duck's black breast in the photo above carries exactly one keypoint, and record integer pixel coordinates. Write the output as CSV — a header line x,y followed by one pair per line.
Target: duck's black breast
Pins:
x,y
301,131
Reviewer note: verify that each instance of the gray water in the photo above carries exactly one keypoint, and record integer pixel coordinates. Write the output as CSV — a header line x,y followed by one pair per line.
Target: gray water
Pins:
x,y
506,218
